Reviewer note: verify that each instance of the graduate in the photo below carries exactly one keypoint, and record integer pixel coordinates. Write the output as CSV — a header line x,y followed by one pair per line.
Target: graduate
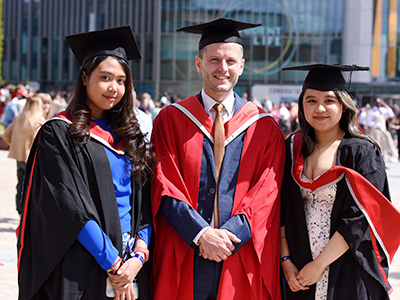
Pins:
x,y
338,228
86,219
215,195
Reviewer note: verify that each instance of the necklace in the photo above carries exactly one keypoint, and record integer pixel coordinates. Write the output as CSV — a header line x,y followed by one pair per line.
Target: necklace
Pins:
x,y
329,144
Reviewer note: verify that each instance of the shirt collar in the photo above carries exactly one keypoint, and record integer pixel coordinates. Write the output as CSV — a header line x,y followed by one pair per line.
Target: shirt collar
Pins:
x,y
210,102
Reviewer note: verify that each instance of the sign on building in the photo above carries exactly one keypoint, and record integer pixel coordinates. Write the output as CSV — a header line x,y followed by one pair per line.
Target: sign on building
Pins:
x,y
276,93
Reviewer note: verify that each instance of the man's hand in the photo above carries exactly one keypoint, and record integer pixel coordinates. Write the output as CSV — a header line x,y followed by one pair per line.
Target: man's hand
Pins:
x,y
216,244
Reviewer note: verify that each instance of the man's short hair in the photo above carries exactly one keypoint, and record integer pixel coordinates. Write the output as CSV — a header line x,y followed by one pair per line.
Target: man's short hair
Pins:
x,y
203,50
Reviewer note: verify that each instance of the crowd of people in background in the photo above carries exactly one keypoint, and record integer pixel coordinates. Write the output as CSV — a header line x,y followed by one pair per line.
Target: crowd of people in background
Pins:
x,y
21,119
378,120
14,97
125,194
213,189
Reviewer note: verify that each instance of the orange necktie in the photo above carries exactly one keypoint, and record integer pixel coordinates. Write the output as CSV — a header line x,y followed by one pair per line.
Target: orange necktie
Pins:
x,y
219,151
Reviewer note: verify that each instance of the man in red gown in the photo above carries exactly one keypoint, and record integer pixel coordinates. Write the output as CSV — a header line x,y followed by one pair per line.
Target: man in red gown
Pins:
x,y
217,232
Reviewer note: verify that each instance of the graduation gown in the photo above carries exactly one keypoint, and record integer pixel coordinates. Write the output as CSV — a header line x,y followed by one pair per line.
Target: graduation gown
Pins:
x,y
66,185
178,135
362,214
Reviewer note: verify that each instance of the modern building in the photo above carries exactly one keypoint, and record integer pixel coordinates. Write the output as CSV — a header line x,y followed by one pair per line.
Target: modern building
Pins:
x,y
294,32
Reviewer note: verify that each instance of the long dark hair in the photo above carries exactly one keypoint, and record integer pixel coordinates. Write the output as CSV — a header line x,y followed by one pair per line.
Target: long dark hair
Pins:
x,y
348,122
121,118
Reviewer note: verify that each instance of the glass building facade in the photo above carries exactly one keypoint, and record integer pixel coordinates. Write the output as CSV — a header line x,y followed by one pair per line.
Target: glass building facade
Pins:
x,y
293,32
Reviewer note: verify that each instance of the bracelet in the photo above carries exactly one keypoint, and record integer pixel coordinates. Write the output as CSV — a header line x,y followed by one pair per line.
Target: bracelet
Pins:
x,y
285,258
143,250
139,257
115,267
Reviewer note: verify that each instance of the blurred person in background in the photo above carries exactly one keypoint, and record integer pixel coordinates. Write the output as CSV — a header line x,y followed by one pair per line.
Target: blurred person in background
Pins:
x,y
20,135
395,125
19,97
159,105
10,112
59,103
398,131
362,119
165,99
392,122
267,104
146,103
255,100
47,105
4,94
376,120
144,120
294,120
284,119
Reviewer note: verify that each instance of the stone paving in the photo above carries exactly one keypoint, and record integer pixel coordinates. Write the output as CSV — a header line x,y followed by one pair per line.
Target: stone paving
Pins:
x,y
9,220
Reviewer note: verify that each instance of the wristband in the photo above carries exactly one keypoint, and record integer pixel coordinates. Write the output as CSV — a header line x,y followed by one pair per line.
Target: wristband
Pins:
x,y
143,250
115,267
139,257
285,258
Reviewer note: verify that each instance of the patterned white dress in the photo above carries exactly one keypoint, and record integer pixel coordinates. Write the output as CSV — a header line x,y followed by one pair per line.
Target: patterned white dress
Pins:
x,y
318,208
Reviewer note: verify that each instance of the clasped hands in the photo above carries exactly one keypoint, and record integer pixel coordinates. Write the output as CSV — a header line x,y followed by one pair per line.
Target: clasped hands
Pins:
x,y
301,280
217,244
122,281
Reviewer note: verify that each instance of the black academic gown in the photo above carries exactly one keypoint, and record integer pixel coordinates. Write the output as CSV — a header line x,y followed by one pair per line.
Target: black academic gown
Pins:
x,y
67,185
354,275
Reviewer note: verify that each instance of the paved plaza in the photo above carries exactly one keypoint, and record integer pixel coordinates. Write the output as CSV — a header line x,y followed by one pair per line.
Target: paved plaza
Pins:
x,y
9,220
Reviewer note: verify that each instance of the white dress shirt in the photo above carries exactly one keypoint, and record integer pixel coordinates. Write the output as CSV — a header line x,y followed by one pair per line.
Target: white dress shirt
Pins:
x,y
228,103
227,114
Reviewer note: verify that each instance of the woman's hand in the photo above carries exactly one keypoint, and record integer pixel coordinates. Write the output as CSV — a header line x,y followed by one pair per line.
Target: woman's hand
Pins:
x,y
310,273
126,273
313,271
125,292
291,272
122,281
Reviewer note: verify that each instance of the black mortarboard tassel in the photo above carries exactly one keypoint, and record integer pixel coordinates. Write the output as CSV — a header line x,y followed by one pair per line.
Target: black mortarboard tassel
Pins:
x,y
118,42
219,31
325,77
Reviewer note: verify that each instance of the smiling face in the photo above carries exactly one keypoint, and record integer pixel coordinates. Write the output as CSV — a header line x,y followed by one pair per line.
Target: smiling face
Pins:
x,y
105,87
220,64
322,110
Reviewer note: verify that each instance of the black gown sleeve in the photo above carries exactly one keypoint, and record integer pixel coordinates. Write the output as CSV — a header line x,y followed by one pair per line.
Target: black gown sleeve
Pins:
x,y
347,219
57,203
365,158
287,178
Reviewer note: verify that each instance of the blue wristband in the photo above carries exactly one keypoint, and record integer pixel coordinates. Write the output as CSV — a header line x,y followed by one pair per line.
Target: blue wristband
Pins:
x,y
139,257
285,258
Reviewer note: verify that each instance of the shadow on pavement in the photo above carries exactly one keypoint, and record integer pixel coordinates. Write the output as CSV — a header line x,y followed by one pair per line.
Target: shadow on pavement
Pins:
x,y
8,225
395,275
7,230
9,220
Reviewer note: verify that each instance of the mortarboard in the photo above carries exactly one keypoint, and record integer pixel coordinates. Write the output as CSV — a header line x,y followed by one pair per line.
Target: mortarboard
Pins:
x,y
219,31
118,42
325,77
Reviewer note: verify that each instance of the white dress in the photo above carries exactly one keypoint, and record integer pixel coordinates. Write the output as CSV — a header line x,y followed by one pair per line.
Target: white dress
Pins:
x,y
318,208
